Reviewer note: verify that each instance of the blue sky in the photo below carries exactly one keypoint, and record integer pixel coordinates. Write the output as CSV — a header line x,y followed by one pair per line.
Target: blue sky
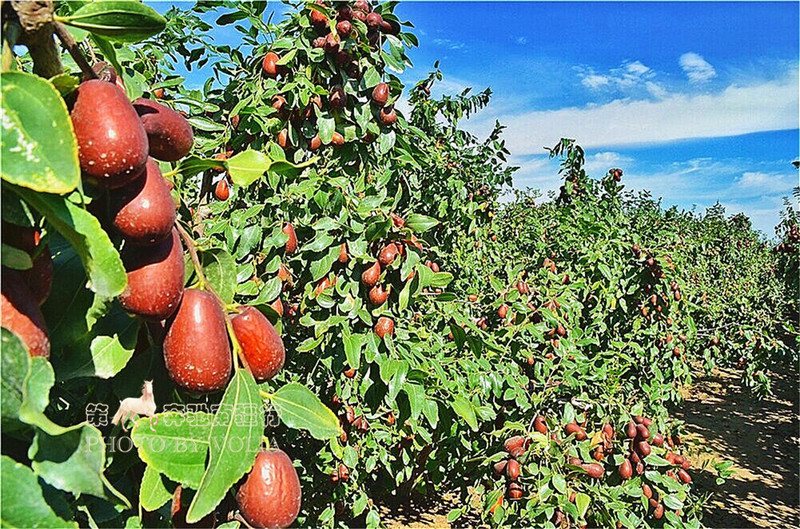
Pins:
x,y
697,102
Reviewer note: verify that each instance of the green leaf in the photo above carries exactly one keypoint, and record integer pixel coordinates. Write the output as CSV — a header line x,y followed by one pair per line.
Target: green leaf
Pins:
x,y
192,165
15,258
298,408
559,483
73,461
14,370
39,148
219,268
126,21
582,502
152,492
83,231
326,128
672,502
420,223
464,409
175,444
234,441
90,335
21,501
248,166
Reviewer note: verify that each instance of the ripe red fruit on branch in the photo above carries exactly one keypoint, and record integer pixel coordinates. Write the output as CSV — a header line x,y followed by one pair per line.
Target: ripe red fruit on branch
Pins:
x,y
515,446
512,469
196,349
630,430
344,28
593,470
642,432
314,143
387,115
143,211
169,134
317,18
371,275
384,326
338,97
261,344
343,257
625,469
684,476
283,138
270,64
380,94
19,312
514,491
643,447
271,494
499,468
337,139
378,295
539,424
374,21
155,278
502,310
291,244
221,190
647,491
112,142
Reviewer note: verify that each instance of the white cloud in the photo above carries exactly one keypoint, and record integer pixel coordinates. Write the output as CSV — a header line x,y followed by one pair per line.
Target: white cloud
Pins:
x,y
767,106
628,75
597,164
595,81
449,44
697,69
637,69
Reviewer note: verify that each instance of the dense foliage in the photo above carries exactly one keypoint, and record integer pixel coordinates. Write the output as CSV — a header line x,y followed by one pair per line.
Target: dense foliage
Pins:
x,y
525,355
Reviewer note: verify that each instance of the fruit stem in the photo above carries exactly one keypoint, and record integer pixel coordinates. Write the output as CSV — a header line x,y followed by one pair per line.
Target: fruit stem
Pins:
x,y
72,47
236,350
264,394
198,268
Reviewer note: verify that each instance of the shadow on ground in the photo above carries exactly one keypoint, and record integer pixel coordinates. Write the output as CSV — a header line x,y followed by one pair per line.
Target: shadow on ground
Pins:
x,y
759,436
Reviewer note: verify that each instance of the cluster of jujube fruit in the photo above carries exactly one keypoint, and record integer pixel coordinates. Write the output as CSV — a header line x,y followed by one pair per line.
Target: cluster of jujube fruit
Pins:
x,y
343,45
639,435
788,245
117,144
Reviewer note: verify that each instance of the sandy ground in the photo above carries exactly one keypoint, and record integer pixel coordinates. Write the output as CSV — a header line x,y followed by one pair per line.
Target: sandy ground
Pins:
x,y
760,437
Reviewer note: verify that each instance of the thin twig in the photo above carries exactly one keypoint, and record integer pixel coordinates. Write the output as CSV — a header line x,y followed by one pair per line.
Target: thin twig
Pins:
x,y
72,47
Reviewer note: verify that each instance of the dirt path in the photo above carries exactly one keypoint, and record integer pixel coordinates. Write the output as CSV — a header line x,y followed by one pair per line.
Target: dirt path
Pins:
x,y
762,440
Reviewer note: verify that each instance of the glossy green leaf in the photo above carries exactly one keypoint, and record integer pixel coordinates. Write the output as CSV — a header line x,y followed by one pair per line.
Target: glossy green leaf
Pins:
x,y
15,362
175,444
248,166
153,493
126,21
465,410
219,268
21,501
39,148
298,408
420,223
83,231
73,461
234,441
15,258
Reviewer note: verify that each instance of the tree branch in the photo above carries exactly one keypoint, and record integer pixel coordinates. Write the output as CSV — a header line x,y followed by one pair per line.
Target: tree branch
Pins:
x,y
36,21
72,47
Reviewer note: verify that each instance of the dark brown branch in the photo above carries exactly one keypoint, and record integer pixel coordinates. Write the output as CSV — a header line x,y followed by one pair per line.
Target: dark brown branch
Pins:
x,y
72,47
36,21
